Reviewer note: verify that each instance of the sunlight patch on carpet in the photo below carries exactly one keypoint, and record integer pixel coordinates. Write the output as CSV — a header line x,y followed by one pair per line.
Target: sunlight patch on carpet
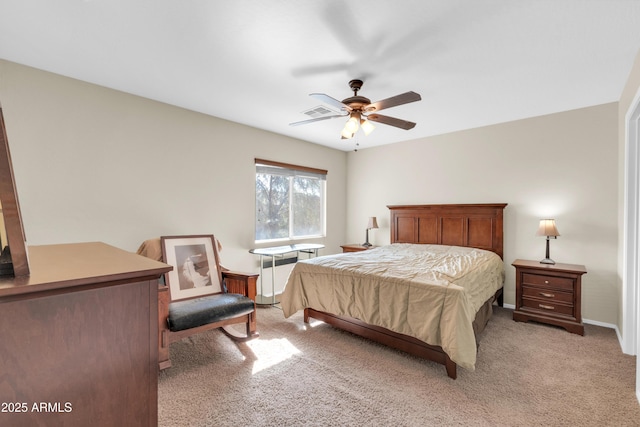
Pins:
x,y
271,352
315,322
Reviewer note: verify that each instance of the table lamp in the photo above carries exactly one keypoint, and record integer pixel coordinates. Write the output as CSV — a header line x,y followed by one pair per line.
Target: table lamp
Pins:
x,y
373,223
548,228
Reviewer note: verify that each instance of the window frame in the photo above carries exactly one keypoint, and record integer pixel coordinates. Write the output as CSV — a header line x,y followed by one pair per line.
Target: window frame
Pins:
x,y
294,170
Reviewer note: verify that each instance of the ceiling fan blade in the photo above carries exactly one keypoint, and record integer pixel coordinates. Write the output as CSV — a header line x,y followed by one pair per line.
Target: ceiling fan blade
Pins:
x,y
394,101
317,119
331,101
391,121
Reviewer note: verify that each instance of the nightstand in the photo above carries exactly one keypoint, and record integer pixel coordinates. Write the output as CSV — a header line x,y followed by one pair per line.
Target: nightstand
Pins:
x,y
549,293
355,247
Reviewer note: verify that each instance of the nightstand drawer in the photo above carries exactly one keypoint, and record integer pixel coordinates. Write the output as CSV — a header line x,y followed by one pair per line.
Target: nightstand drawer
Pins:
x,y
547,294
547,306
548,281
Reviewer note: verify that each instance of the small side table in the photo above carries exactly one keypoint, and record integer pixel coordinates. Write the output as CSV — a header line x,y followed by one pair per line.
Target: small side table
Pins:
x,y
275,252
549,293
355,247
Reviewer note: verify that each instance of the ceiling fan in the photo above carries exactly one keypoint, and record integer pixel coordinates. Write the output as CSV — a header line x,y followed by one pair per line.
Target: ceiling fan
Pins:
x,y
362,111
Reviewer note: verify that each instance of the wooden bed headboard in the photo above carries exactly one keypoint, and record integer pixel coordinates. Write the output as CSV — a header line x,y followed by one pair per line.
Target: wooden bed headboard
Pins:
x,y
471,225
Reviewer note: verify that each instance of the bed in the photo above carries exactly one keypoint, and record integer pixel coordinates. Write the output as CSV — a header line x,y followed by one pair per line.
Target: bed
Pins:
x,y
401,295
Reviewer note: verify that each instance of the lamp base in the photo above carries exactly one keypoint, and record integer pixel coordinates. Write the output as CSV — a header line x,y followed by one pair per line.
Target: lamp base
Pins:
x,y
366,243
546,259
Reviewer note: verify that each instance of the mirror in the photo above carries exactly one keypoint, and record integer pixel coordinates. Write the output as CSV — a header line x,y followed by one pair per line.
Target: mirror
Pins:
x,y
13,257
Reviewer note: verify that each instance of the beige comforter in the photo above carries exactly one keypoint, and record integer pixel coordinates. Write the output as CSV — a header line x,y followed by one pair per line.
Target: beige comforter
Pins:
x,y
430,292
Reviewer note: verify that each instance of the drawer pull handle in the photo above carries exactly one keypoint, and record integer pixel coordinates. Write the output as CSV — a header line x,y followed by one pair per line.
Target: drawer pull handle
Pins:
x,y
548,295
547,307
546,282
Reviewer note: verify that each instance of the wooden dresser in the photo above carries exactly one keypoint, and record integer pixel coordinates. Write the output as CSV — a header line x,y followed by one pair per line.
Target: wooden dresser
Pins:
x,y
549,293
79,338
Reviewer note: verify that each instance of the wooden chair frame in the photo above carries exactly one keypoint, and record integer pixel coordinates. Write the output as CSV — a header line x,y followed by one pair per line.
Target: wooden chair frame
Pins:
x,y
233,281
237,283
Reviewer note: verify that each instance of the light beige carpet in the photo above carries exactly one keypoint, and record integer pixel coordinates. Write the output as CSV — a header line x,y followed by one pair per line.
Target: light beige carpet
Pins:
x,y
295,375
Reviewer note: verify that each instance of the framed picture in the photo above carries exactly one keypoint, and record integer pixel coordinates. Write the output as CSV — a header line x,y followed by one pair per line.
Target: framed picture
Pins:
x,y
195,264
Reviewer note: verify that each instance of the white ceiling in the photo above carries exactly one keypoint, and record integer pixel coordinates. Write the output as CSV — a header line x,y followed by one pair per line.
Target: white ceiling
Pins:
x,y
255,62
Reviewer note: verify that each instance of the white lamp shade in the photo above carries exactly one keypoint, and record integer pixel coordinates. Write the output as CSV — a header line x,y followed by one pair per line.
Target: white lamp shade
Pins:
x,y
373,223
547,227
346,133
367,127
352,124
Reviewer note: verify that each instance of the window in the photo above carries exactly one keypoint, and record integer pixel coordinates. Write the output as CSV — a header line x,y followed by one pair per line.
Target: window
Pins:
x,y
290,201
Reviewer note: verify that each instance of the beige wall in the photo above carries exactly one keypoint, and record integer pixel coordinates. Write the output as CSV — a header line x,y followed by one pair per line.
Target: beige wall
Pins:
x,y
93,164
562,166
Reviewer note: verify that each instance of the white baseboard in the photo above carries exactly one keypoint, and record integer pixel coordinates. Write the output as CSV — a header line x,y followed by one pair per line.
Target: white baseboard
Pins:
x,y
603,324
590,322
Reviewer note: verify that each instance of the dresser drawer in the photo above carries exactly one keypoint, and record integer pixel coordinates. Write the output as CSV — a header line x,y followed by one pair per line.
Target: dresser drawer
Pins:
x,y
548,281
548,307
547,294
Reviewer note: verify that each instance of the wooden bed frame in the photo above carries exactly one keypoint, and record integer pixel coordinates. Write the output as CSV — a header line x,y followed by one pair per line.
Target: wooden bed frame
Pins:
x,y
471,225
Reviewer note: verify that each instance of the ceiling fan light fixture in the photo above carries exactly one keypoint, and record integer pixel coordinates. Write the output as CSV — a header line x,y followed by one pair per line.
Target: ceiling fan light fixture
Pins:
x,y
353,123
357,106
346,133
366,126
